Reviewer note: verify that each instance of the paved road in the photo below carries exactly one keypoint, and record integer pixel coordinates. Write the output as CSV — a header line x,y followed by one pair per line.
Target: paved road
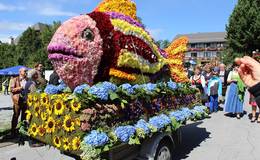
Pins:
x,y
5,112
217,138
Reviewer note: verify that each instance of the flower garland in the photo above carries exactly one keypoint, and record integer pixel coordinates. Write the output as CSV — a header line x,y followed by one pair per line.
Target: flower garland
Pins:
x,y
121,75
131,60
126,7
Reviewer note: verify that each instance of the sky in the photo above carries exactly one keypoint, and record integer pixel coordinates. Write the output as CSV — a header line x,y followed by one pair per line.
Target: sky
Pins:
x,y
164,19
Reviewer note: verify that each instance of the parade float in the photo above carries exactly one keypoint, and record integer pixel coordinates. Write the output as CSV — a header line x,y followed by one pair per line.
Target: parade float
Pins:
x,y
119,87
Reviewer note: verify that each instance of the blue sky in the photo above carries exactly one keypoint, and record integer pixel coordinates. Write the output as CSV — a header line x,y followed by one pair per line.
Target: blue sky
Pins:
x,y
164,19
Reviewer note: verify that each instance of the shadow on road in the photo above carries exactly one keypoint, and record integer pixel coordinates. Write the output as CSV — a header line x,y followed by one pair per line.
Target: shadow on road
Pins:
x,y
192,136
6,108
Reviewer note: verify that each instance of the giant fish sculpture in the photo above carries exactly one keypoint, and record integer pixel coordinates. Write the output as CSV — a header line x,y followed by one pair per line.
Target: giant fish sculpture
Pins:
x,y
112,45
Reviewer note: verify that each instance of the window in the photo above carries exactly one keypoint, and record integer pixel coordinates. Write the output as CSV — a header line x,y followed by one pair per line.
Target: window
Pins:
x,y
194,54
192,45
207,54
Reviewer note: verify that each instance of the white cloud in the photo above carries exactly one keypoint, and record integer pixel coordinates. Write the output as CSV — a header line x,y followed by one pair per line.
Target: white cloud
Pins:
x,y
156,33
13,26
50,11
7,7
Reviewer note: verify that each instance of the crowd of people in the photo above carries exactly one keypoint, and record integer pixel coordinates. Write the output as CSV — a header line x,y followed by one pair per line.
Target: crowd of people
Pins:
x,y
219,84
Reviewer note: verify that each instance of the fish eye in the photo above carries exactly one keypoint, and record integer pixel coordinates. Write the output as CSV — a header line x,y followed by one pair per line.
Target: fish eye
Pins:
x,y
88,35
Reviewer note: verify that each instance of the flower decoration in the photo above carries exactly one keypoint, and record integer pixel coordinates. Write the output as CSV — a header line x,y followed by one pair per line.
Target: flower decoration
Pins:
x,y
51,89
68,124
28,115
172,85
44,99
66,144
124,132
75,105
57,141
127,87
59,107
102,90
76,143
50,125
41,130
30,100
44,116
33,131
96,139
81,88
121,74
142,124
160,121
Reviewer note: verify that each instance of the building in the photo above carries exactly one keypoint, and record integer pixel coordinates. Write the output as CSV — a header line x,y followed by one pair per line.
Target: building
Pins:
x,y
205,47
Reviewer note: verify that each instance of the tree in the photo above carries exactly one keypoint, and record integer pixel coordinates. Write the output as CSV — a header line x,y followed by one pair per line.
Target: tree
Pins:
x,y
243,30
163,43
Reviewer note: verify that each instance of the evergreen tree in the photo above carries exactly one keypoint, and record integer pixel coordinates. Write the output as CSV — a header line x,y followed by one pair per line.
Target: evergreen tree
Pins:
x,y
243,30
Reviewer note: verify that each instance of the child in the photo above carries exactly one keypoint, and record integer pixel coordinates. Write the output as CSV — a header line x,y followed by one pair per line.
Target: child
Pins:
x,y
214,90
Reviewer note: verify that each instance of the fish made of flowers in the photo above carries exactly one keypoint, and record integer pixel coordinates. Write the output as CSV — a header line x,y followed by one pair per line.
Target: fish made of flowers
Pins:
x,y
110,44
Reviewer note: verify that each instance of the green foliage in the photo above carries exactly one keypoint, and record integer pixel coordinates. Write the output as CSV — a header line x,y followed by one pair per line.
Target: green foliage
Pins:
x,y
163,43
243,30
31,48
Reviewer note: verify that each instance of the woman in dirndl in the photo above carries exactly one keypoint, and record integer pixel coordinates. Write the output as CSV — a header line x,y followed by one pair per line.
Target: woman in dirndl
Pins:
x,y
235,94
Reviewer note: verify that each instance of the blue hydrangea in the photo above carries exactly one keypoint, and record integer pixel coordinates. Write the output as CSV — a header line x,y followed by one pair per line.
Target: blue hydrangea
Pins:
x,y
79,89
178,115
96,139
172,85
143,125
187,112
51,89
160,121
128,88
109,86
124,133
149,87
61,86
99,92
200,109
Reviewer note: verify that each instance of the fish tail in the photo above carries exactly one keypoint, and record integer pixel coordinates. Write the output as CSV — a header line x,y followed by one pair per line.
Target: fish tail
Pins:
x,y
175,57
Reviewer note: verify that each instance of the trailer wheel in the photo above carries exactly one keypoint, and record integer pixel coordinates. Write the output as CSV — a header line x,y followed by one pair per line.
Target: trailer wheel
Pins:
x,y
164,151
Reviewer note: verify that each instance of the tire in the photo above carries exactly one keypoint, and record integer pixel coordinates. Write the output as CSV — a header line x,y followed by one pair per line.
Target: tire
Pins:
x,y
164,151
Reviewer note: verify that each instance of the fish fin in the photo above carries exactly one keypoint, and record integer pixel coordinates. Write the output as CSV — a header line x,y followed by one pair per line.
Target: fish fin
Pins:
x,y
129,8
122,75
175,57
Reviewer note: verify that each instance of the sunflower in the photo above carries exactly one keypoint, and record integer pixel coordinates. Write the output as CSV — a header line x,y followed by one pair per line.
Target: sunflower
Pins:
x,y
50,125
59,107
66,144
44,116
77,121
76,143
68,124
58,124
48,108
30,100
35,98
57,142
44,98
33,130
37,109
41,130
28,115
75,105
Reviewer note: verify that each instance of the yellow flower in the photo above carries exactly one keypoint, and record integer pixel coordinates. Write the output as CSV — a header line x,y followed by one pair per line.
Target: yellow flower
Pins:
x,y
41,130
35,98
44,98
59,107
76,143
49,109
57,142
77,121
30,100
50,125
43,116
68,124
37,110
33,130
75,105
28,115
66,144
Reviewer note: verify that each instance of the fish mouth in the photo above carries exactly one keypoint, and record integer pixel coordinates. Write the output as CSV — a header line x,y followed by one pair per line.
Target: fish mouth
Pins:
x,y
56,52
